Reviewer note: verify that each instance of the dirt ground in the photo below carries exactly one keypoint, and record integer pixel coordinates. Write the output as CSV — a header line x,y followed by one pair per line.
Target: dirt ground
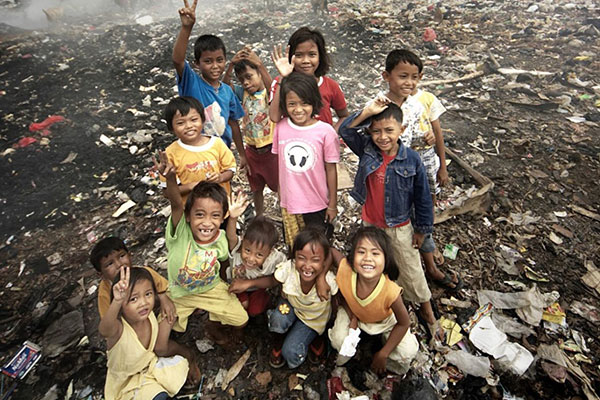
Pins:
x,y
535,135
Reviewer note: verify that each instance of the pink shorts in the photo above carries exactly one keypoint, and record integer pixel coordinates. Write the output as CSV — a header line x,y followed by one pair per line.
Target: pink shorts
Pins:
x,y
264,168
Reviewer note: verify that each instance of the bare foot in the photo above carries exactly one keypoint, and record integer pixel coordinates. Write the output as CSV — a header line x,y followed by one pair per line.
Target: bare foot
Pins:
x,y
194,374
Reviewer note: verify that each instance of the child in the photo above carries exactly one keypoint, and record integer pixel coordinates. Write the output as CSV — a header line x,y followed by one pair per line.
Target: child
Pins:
x,y
306,53
107,257
196,246
195,156
253,262
256,125
300,314
222,108
389,182
403,71
135,339
308,151
373,302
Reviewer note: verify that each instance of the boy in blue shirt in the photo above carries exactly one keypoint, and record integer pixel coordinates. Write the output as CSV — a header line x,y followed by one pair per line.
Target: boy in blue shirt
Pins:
x,y
221,106
389,182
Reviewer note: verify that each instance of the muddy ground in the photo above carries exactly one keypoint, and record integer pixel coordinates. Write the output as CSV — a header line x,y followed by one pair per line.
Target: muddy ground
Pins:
x,y
109,75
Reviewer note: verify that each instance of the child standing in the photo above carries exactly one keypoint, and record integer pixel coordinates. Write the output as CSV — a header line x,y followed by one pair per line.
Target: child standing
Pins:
x,y
403,71
256,125
195,156
306,53
134,338
390,181
107,257
222,108
308,151
300,315
253,262
196,246
373,301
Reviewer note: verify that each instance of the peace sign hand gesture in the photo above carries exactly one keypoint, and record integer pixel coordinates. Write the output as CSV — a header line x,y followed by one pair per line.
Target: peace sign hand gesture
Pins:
x,y
121,288
187,14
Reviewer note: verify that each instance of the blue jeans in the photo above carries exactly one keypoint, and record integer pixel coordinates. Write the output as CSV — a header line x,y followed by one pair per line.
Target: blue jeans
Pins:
x,y
161,396
298,338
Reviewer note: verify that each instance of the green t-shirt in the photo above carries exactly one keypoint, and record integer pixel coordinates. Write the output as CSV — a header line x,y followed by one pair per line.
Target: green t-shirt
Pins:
x,y
193,267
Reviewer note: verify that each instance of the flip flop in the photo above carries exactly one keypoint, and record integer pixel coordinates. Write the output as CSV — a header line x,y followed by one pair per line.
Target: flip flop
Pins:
x,y
447,283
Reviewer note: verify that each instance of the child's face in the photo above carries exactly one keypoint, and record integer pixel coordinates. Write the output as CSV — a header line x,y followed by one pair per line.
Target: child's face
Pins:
x,y
307,57
403,79
369,260
385,134
188,128
254,254
205,218
309,262
251,81
140,303
212,65
299,111
110,265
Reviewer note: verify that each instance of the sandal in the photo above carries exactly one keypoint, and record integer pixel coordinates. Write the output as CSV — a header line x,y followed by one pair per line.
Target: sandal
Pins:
x,y
316,353
276,358
447,283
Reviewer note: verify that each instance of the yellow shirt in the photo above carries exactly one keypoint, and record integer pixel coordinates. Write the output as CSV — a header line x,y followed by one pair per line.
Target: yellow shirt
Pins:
x,y
192,163
105,286
378,305
136,372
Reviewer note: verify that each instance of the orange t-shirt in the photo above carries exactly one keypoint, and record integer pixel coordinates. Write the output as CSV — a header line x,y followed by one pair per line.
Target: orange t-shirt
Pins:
x,y
105,286
378,305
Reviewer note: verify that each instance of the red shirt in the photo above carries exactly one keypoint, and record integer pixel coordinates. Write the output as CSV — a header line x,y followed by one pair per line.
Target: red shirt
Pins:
x,y
373,211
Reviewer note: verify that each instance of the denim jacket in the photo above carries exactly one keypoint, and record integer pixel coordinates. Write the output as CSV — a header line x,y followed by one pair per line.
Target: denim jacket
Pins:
x,y
405,178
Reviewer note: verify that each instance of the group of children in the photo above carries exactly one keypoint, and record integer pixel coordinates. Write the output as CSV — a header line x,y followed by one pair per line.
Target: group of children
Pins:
x,y
289,144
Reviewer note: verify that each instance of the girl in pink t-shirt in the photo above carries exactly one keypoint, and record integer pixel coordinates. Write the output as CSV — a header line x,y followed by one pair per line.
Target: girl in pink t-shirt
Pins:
x,y
308,151
306,53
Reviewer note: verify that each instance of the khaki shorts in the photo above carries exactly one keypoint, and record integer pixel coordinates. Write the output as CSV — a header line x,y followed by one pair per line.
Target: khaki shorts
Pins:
x,y
221,305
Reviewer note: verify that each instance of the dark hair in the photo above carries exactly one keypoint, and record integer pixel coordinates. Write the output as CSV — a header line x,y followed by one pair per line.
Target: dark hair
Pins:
x,y
240,66
208,43
262,232
305,34
136,275
207,190
379,238
183,105
311,235
392,111
402,56
305,87
103,249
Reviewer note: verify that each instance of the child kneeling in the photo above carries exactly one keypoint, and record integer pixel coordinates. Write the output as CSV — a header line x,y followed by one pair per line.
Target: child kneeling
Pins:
x,y
372,303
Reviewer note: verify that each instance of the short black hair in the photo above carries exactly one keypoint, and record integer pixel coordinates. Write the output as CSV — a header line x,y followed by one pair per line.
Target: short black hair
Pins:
x,y
392,111
305,34
183,105
240,66
136,275
311,235
103,249
207,190
208,43
380,239
262,232
305,87
402,56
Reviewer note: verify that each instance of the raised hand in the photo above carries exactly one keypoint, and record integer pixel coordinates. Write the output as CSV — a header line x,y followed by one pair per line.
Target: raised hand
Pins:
x,y
282,63
377,105
121,288
187,14
237,204
163,166
253,57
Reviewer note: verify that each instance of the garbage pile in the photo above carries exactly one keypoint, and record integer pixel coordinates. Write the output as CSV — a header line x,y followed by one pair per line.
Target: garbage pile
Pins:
x,y
81,114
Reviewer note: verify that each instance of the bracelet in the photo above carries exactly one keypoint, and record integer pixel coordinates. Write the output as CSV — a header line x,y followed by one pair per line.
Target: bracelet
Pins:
x,y
332,209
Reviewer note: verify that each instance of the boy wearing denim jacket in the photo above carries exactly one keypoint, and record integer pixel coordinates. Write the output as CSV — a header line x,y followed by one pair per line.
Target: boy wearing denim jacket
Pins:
x,y
390,180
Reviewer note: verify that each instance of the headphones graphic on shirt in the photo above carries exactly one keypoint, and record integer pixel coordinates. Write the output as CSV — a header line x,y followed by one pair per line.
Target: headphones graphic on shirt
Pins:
x,y
299,157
